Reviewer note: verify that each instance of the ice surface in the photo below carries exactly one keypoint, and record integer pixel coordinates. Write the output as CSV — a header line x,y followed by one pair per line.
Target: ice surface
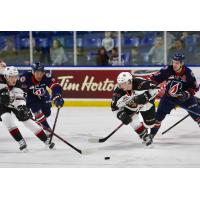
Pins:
x,y
180,147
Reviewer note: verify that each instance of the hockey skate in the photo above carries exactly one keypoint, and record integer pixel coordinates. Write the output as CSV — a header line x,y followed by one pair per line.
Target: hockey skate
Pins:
x,y
143,136
148,139
23,146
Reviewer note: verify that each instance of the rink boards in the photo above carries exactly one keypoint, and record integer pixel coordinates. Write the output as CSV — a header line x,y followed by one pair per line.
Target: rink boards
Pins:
x,y
93,86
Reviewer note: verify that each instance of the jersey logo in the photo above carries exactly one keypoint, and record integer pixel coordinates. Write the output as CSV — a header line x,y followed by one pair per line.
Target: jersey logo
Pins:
x,y
38,91
175,87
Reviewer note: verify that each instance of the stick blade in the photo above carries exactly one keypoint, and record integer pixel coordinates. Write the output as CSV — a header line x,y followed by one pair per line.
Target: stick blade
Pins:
x,y
102,140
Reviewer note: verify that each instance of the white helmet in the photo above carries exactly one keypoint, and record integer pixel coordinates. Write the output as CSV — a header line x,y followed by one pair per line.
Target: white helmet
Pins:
x,y
11,71
124,77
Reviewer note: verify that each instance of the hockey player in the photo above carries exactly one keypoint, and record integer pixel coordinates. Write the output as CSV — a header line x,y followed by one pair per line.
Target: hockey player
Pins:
x,y
12,100
131,97
39,101
180,89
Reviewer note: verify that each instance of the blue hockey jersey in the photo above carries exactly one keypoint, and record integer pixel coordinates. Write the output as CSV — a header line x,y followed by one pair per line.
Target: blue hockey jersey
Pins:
x,y
39,90
186,77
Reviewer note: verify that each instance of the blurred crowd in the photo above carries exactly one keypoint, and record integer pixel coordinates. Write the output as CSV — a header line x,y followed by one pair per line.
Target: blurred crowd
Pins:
x,y
99,48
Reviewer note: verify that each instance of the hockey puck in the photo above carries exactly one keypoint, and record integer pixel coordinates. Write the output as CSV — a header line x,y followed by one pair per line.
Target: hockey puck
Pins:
x,y
107,158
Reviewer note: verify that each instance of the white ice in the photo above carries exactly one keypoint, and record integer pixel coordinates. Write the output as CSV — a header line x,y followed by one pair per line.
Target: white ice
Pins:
x,y
180,147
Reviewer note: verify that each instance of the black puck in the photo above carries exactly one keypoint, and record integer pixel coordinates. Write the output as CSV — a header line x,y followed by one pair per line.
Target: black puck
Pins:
x,y
107,158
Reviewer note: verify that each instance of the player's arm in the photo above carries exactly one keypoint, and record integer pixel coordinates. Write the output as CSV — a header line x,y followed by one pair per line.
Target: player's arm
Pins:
x,y
18,102
4,95
161,75
56,91
118,94
117,107
193,86
150,90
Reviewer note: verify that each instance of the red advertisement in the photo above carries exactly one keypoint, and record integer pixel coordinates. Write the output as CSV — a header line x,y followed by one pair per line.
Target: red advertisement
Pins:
x,y
87,83
92,84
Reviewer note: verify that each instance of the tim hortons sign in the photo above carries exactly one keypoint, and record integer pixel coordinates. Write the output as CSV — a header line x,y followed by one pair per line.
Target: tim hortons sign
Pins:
x,y
87,83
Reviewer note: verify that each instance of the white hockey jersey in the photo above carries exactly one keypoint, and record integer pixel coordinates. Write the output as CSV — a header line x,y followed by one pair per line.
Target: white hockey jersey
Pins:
x,y
17,96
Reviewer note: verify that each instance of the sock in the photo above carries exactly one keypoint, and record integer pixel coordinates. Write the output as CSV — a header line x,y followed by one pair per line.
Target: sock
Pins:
x,y
41,135
16,134
141,130
40,118
155,129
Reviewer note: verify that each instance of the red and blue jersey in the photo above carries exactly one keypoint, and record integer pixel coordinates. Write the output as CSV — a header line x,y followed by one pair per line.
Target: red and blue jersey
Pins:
x,y
39,90
186,77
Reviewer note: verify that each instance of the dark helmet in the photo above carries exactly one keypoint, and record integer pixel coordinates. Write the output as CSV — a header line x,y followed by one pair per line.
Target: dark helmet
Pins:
x,y
38,67
178,57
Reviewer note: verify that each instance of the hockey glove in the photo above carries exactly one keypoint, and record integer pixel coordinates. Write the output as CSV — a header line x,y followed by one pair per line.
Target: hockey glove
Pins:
x,y
23,113
58,101
124,117
4,97
142,98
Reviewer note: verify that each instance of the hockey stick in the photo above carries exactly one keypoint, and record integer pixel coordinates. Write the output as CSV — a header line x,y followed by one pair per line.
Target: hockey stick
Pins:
x,y
54,126
63,140
60,138
198,101
175,124
84,152
95,140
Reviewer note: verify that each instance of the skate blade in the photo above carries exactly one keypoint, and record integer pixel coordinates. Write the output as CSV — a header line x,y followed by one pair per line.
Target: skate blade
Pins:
x,y
24,150
151,146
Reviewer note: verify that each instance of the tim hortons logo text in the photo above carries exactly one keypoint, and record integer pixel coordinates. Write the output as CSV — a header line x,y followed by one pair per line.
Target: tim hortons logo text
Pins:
x,y
89,84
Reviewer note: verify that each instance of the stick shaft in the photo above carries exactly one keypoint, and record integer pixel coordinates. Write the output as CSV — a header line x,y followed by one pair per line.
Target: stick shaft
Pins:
x,y
175,124
54,126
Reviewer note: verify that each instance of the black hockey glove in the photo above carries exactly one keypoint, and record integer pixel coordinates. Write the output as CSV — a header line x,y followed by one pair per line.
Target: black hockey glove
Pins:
x,y
142,98
124,117
4,97
58,101
23,113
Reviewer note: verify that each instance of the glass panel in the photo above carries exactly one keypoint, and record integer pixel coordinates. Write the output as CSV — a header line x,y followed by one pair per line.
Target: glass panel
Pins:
x,y
89,45
143,47
14,47
187,42
53,48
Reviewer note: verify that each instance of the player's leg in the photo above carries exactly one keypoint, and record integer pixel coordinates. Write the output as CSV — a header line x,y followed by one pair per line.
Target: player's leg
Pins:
x,y
149,117
192,105
38,131
138,126
46,110
165,106
38,107
8,121
148,122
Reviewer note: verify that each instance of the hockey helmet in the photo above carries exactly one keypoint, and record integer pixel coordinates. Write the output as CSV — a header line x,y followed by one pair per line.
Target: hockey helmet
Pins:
x,y
38,67
178,57
124,77
10,71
